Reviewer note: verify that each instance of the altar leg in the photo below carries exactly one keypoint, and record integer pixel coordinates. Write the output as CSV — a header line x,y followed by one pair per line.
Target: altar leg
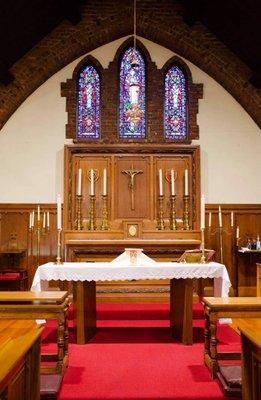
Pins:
x,y
84,299
181,299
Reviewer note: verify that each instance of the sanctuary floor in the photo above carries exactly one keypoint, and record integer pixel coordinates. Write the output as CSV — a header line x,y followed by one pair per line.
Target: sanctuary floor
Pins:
x,y
133,356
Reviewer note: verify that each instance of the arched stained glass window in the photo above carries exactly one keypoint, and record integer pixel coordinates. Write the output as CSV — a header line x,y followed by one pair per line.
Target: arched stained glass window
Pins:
x,y
132,107
175,108
88,107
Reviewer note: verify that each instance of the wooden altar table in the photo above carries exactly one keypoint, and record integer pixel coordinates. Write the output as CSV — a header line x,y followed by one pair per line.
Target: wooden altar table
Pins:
x,y
84,276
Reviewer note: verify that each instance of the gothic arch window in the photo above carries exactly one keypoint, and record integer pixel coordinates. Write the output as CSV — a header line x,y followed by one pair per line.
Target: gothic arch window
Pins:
x,y
132,95
88,103
175,104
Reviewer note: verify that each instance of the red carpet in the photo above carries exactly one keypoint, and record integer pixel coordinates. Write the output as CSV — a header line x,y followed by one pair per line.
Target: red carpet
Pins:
x,y
133,356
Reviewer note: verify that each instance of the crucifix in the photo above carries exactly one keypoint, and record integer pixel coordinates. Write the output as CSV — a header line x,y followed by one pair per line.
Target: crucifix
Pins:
x,y
132,173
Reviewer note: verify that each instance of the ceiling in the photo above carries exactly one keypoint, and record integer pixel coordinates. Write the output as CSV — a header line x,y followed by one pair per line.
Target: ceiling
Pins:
x,y
236,23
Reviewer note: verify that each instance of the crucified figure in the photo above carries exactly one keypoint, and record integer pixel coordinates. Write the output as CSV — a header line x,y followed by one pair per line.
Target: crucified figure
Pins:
x,y
132,173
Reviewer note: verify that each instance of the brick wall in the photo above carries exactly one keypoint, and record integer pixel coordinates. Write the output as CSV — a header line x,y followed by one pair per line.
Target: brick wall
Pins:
x,y
105,21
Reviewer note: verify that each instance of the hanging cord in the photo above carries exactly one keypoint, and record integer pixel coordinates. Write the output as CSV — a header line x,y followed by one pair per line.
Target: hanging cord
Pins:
x,y
134,23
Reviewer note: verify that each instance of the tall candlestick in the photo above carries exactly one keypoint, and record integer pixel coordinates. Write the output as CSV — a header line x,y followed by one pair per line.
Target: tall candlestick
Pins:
x,y
172,182
30,220
202,214
209,219
237,232
79,191
104,192
59,212
44,220
38,213
186,182
92,183
219,217
232,219
160,183
48,219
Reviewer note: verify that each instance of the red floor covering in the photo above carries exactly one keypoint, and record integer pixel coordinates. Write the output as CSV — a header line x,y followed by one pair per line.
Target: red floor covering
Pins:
x,y
133,356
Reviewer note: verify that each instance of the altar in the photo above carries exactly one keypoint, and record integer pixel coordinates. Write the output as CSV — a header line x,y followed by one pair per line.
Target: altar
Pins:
x,y
84,276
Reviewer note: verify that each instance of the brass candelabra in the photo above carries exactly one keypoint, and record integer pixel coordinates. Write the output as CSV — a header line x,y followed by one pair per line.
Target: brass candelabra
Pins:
x,y
172,220
186,212
92,225
78,222
161,225
105,222
203,257
38,230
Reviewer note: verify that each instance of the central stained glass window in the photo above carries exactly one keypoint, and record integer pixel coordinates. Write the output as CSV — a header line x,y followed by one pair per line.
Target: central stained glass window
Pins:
x,y
175,109
88,111
132,107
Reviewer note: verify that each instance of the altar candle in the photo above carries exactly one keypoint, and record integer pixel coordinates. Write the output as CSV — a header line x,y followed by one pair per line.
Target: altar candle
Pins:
x,y
219,217
202,214
186,183
172,182
59,212
44,218
92,183
160,183
104,182
209,219
79,191
38,213
32,224
48,219
232,219
237,233
30,220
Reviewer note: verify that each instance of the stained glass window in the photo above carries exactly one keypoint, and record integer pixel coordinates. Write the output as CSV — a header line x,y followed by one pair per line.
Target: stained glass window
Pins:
x,y
175,109
88,109
132,118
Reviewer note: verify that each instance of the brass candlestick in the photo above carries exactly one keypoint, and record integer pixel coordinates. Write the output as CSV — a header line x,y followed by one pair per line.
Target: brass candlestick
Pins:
x,y
221,243
78,222
38,236
59,247
105,223
203,258
186,212
172,221
92,226
161,225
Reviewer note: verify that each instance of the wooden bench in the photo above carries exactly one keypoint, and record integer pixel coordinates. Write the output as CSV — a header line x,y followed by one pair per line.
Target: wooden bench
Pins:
x,y
220,307
41,305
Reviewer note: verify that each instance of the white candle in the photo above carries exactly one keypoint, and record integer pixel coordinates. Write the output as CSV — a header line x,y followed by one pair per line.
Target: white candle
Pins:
x,y
237,233
104,191
232,219
209,219
59,212
32,225
219,217
92,183
186,183
38,213
202,214
172,182
30,220
160,183
48,219
44,218
79,191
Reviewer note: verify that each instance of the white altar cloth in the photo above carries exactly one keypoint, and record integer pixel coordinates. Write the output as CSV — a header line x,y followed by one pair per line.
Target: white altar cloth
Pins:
x,y
106,271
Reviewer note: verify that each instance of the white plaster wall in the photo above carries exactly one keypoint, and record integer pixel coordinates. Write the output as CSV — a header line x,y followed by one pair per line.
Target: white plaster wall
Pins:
x,y
32,141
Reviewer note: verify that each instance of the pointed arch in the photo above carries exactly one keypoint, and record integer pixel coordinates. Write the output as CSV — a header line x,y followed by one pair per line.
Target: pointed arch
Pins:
x,y
88,125
132,93
176,103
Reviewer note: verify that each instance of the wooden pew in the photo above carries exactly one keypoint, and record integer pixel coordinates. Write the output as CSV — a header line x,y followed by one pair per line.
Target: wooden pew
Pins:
x,y
41,306
219,307
20,360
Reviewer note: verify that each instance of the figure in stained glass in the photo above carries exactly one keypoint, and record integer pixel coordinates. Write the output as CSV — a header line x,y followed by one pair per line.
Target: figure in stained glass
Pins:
x,y
88,107
175,109
132,122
